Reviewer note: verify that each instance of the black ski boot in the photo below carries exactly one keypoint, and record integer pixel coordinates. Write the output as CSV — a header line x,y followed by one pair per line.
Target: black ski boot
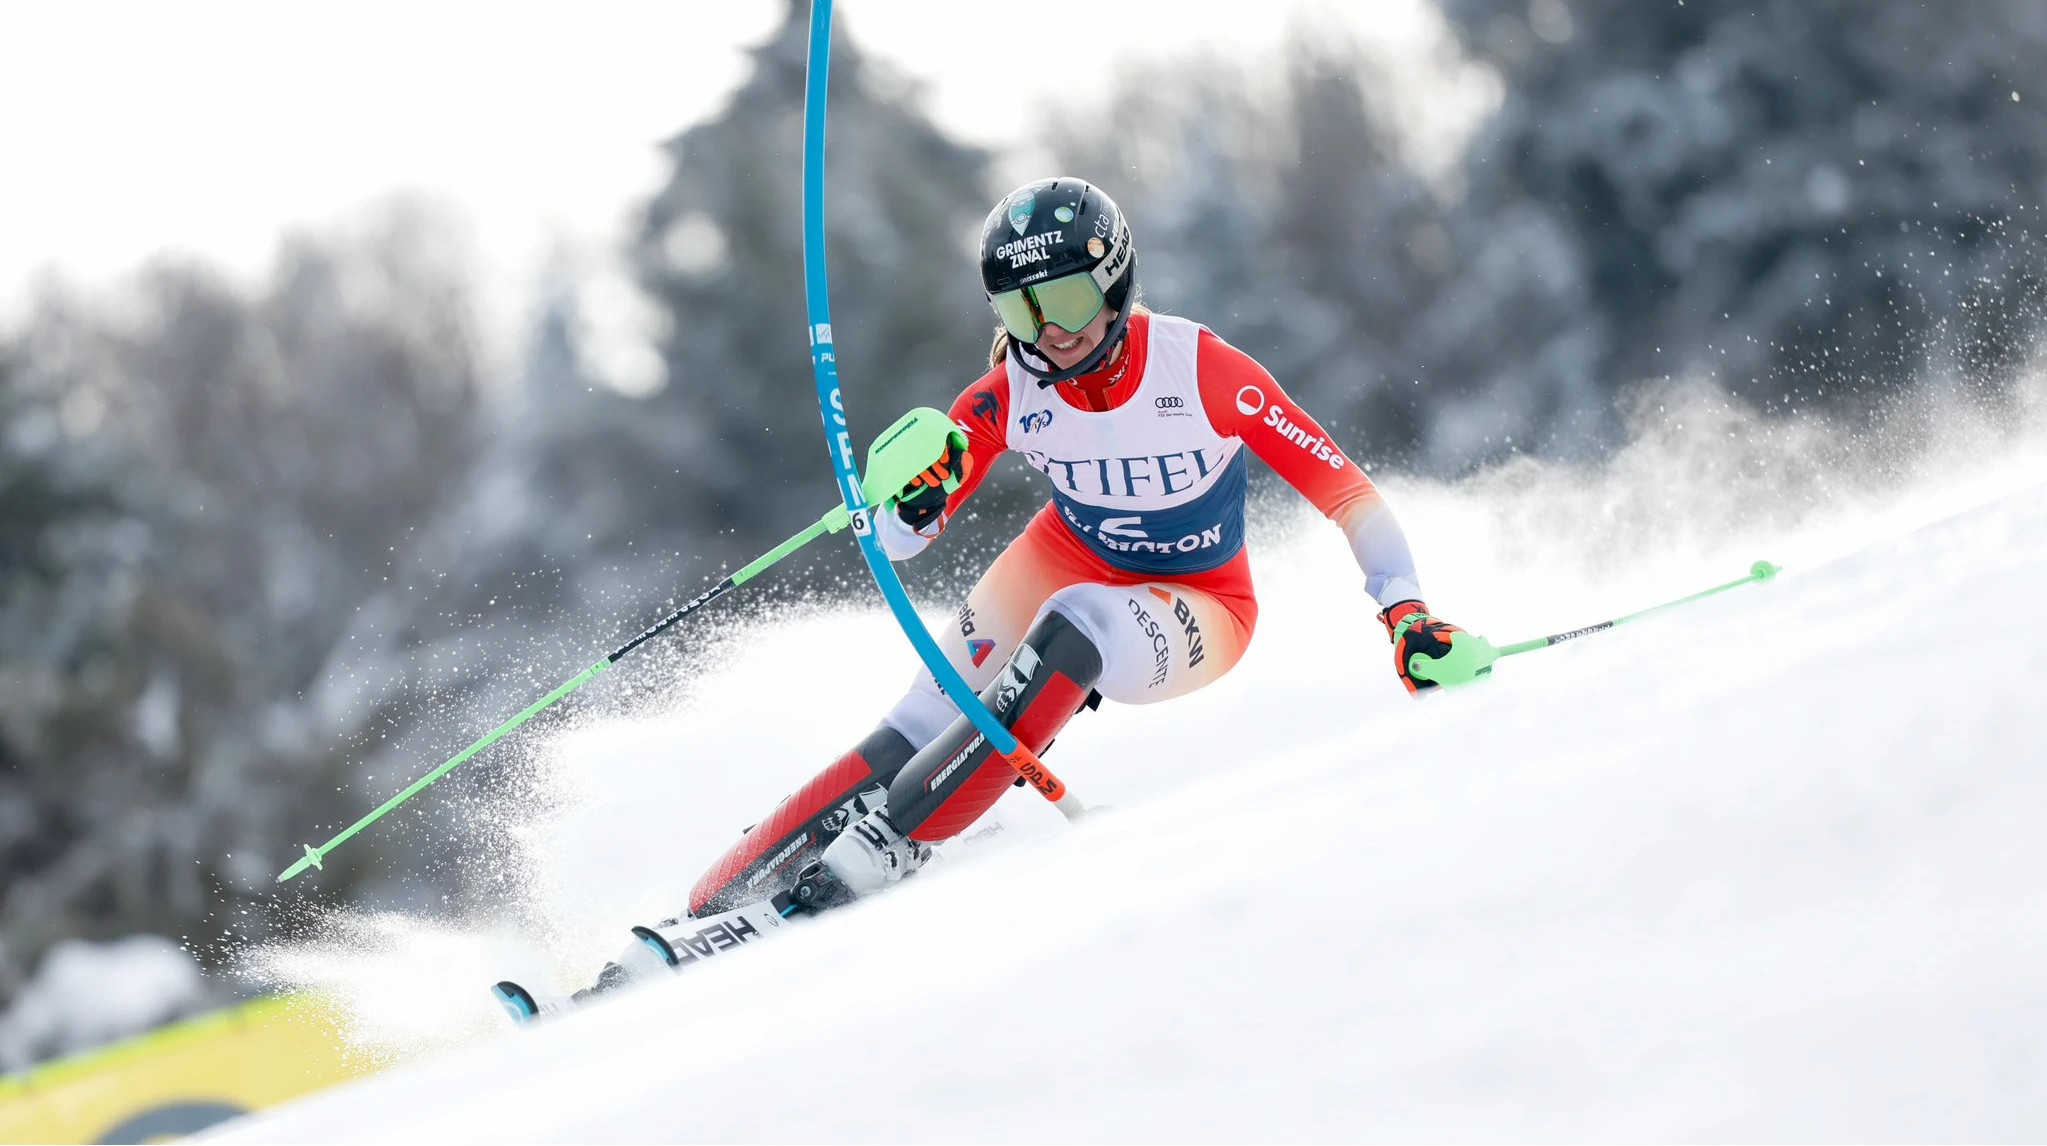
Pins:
x,y
818,888
610,979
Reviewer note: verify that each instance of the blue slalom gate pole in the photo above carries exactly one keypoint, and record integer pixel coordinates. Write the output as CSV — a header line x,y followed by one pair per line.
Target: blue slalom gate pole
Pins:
x,y
838,439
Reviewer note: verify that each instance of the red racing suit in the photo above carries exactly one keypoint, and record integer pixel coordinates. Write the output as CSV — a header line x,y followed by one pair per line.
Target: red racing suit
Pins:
x,y
1135,480
1141,548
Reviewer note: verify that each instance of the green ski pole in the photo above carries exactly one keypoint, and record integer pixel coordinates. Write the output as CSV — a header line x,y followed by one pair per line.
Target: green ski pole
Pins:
x,y
832,522
1471,656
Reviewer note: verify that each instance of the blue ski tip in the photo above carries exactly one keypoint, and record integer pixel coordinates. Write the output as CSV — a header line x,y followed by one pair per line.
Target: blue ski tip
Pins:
x,y
660,946
516,1000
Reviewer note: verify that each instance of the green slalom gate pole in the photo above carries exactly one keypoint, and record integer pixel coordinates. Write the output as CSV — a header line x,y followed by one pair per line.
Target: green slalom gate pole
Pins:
x,y
832,522
1471,656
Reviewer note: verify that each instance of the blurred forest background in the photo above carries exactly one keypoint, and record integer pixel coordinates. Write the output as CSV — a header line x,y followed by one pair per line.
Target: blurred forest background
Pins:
x,y
265,555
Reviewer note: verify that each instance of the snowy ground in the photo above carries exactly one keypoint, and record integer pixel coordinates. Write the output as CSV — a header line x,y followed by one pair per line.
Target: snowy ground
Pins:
x,y
1767,867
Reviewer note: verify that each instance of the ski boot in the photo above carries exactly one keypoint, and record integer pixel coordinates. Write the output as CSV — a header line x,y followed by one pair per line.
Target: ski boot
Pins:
x,y
865,858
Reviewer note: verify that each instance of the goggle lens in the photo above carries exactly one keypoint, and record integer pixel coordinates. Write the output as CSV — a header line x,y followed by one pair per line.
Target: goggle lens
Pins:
x,y
1018,313
1069,303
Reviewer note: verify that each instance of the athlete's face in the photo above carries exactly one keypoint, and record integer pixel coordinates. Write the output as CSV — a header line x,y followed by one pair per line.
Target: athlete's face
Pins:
x,y
1067,348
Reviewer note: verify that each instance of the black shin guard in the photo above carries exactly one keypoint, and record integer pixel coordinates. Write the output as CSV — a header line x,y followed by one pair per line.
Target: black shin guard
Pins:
x,y
958,776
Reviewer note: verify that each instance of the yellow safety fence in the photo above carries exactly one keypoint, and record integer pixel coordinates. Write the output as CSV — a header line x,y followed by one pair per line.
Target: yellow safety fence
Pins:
x,y
182,1078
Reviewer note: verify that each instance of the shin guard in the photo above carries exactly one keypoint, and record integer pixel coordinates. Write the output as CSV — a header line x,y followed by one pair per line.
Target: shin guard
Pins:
x,y
958,776
767,857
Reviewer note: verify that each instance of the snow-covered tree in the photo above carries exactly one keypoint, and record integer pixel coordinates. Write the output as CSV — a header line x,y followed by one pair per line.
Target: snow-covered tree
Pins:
x,y
199,488
1814,200
1276,209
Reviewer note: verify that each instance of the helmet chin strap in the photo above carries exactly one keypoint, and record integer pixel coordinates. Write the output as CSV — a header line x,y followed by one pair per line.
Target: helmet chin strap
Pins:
x,y
1110,339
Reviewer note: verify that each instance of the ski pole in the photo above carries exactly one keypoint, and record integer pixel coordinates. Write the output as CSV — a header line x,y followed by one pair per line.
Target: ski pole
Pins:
x,y
1471,656
832,522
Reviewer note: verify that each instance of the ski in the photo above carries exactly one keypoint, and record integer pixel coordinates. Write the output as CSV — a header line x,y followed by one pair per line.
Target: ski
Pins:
x,y
672,944
683,941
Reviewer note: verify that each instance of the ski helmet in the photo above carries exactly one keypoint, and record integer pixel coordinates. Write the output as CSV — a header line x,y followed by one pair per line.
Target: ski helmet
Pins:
x,y
1057,250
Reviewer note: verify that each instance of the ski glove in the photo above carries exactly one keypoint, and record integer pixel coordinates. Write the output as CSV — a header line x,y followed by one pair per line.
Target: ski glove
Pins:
x,y
921,503
1413,631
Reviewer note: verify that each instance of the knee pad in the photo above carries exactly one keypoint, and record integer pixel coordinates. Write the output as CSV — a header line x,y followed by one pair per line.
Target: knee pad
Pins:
x,y
1054,649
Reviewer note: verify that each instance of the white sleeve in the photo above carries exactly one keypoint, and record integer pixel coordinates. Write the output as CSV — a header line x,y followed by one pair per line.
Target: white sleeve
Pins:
x,y
1381,551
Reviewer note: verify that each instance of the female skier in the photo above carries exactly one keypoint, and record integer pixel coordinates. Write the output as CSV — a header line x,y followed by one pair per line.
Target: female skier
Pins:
x,y
1132,584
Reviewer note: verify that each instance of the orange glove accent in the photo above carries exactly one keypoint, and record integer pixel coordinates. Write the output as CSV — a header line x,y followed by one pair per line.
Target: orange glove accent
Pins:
x,y
923,500
1413,631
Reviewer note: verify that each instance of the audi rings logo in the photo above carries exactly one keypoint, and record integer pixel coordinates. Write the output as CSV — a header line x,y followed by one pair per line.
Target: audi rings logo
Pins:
x,y
1250,400
1169,403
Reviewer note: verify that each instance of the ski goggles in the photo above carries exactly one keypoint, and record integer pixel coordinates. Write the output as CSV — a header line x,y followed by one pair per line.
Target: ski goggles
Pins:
x,y
1069,302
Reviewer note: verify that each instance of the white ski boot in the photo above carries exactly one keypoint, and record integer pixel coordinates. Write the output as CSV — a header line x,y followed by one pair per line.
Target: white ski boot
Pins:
x,y
870,855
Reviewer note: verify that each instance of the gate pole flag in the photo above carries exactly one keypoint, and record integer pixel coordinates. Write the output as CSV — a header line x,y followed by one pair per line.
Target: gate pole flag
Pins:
x,y
838,440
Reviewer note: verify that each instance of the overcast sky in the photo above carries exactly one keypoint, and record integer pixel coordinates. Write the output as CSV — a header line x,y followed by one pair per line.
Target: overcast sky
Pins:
x,y
209,127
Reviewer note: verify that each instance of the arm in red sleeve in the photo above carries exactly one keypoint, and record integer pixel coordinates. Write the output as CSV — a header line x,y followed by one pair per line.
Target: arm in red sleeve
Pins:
x,y
982,410
1244,402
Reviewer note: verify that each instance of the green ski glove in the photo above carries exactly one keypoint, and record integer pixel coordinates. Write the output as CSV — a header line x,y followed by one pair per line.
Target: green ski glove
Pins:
x,y
1429,653
923,500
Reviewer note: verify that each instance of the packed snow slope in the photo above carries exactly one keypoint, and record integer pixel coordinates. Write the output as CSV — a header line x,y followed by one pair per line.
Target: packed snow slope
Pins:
x,y
1769,866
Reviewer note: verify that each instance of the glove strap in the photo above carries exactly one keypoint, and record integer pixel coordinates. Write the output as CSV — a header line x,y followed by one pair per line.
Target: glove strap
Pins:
x,y
1398,616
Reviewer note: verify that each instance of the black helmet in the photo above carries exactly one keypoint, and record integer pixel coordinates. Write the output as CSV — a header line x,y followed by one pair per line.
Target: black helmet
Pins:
x,y
1057,250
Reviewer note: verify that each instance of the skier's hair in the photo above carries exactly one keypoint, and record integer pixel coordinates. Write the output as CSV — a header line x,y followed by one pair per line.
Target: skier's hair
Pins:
x,y
999,349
